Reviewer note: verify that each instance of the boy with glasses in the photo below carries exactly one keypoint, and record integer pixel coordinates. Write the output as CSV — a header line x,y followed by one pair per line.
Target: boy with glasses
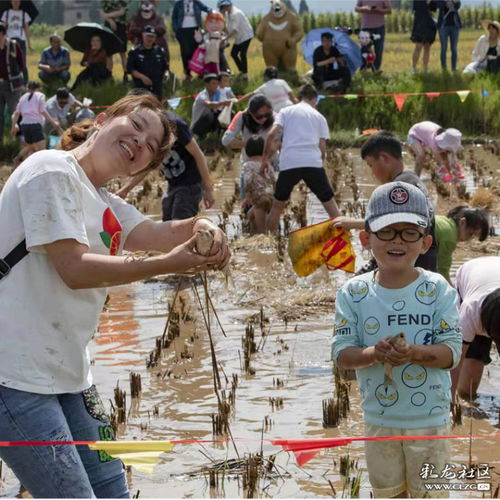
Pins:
x,y
373,310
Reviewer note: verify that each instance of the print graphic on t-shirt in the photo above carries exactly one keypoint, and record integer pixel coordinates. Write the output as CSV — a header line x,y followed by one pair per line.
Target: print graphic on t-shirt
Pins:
x,y
372,325
112,231
386,396
399,305
418,399
426,293
423,337
414,376
358,290
173,166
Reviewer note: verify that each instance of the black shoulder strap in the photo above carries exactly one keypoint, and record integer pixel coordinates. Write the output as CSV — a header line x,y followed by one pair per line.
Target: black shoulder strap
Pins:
x,y
12,258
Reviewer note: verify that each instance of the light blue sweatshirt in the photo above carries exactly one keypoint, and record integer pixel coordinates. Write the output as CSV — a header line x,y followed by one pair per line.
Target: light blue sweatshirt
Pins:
x,y
426,311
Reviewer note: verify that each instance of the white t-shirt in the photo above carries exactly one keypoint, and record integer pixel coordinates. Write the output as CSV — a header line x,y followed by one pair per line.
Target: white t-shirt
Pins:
x,y
476,279
238,21
303,127
31,109
277,91
15,20
189,20
45,326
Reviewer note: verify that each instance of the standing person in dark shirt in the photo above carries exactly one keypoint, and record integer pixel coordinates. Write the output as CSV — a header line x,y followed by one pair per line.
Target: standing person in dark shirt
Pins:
x,y
329,65
384,155
186,170
448,26
11,75
147,63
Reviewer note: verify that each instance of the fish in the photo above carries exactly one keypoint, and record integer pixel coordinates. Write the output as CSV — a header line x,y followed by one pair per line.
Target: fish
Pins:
x,y
396,340
203,246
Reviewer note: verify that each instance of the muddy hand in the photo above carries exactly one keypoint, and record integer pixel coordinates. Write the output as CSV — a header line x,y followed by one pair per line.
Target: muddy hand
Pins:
x,y
204,245
397,342
218,247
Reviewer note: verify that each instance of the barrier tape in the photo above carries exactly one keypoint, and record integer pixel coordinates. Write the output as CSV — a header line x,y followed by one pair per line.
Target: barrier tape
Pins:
x,y
399,98
144,455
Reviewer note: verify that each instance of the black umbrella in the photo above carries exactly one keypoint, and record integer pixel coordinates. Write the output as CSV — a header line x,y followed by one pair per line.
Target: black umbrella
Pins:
x,y
78,37
27,5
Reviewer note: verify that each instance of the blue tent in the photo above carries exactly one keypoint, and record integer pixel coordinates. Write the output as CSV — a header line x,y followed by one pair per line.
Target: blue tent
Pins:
x,y
341,40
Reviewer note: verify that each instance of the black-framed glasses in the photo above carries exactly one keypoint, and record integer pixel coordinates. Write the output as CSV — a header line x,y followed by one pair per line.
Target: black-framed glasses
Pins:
x,y
407,235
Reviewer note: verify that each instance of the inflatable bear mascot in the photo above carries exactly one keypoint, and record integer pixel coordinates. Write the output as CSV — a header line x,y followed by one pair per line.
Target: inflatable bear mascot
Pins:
x,y
280,31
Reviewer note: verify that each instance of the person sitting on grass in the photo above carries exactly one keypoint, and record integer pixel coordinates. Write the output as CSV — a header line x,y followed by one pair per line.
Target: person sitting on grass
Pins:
x,y
225,86
371,312
383,153
207,107
54,62
486,53
478,284
461,223
32,108
443,144
330,68
97,64
259,186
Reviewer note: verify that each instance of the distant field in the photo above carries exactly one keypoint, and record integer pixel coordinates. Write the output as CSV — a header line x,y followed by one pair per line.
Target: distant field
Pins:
x,y
397,55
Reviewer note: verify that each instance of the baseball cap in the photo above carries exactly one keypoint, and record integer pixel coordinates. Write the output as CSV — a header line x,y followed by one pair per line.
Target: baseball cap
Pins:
x,y
449,140
149,29
397,202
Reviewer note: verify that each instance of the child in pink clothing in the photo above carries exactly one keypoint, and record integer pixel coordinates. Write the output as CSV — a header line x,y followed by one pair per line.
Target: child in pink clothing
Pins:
x,y
443,144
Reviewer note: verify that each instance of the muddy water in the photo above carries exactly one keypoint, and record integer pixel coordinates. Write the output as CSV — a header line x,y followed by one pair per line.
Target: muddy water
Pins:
x,y
296,352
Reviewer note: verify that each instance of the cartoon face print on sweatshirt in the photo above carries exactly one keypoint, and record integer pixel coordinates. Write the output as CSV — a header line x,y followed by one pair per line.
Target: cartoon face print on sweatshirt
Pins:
x,y
414,376
111,233
386,395
426,293
358,290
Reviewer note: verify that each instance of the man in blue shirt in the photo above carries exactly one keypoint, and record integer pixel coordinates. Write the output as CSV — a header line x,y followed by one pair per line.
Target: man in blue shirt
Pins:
x,y
54,62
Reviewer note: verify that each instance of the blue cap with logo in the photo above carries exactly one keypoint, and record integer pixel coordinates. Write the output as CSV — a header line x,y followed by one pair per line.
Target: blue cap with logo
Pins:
x,y
397,202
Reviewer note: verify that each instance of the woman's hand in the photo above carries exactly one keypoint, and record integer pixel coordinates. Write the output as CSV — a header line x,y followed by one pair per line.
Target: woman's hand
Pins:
x,y
219,254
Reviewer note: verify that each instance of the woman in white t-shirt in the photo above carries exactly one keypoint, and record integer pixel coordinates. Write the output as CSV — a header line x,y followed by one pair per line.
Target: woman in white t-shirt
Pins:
x,y
275,89
478,285
68,233
31,107
17,22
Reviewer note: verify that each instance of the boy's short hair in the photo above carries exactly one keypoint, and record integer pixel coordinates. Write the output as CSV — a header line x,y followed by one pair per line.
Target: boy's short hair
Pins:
x,y
490,316
222,74
62,93
476,218
209,77
382,142
271,72
307,92
397,202
254,146
326,34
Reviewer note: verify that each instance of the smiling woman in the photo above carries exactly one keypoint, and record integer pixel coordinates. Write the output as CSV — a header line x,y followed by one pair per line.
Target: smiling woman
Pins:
x,y
68,233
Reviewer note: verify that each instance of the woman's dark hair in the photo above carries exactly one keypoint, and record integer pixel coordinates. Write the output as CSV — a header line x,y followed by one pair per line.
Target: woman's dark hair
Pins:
x,y
256,102
475,218
32,86
254,146
382,142
490,316
271,72
307,92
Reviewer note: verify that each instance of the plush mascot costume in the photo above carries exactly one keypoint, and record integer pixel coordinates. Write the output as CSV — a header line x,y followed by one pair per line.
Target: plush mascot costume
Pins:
x,y
280,31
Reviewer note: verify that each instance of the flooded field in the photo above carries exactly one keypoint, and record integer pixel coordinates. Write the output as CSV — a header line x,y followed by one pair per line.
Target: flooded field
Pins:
x,y
275,392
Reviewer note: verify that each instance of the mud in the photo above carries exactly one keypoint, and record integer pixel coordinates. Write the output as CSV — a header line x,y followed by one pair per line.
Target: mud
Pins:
x,y
282,396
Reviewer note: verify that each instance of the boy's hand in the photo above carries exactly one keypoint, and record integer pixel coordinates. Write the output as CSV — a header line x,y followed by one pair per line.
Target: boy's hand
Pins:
x,y
400,354
382,349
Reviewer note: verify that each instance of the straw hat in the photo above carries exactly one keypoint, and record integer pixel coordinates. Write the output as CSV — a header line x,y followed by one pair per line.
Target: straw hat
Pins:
x,y
486,22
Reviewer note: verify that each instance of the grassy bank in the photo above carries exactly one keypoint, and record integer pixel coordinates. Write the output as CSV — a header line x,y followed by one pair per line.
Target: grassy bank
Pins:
x,y
476,116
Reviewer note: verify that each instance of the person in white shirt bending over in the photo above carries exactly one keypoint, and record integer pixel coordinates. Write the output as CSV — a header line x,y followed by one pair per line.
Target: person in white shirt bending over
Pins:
x,y
304,133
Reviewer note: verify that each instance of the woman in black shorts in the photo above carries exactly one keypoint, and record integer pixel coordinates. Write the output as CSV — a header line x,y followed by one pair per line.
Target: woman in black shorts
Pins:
x,y
31,107
424,30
